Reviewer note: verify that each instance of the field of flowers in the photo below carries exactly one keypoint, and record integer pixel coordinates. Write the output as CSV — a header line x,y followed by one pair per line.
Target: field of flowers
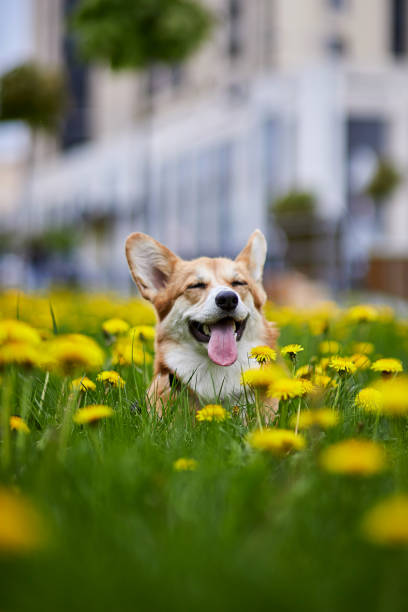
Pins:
x,y
106,506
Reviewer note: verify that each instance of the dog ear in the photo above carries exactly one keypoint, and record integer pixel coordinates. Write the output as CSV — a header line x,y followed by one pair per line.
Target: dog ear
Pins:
x,y
253,255
150,262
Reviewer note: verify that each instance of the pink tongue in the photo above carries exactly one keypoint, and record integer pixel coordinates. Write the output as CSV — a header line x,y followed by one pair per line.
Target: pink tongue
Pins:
x,y
222,347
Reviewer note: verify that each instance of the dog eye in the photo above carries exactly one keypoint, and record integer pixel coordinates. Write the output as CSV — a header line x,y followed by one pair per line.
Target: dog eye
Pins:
x,y
238,283
197,286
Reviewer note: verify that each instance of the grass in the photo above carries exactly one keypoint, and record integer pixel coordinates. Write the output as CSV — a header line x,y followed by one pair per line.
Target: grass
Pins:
x,y
245,531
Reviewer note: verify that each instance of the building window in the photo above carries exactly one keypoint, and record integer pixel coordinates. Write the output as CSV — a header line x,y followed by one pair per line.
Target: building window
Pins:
x,y
336,46
235,36
399,22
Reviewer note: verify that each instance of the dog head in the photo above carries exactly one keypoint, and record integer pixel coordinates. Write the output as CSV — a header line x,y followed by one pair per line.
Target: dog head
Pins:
x,y
210,304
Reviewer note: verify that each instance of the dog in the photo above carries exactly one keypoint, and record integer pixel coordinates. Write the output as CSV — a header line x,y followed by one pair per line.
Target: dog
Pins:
x,y
209,314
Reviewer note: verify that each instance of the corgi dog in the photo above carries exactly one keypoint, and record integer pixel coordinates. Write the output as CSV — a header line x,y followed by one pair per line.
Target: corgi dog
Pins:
x,y
209,314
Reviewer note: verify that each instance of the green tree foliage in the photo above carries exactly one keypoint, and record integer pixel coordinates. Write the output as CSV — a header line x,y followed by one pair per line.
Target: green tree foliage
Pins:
x,y
384,182
295,202
139,33
32,94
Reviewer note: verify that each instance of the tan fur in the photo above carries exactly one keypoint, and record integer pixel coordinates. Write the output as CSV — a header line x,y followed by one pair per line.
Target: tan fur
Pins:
x,y
165,280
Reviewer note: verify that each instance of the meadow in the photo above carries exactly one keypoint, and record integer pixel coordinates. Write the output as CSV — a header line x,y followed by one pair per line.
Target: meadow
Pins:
x,y
106,506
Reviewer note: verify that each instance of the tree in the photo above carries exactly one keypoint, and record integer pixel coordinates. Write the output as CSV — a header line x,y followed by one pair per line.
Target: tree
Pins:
x,y
139,33
32,94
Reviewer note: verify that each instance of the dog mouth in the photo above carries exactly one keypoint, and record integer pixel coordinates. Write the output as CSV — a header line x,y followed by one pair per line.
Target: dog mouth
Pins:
x,y
221,337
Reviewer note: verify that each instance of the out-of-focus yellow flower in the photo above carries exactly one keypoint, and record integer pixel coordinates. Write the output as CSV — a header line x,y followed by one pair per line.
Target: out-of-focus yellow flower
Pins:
x,y
308,386
92,413
369,399
185,464
354,457
364,348
387,366
323,381
343,365
212,412
20,353
291,350
305,371
83,384
322,365
329,346
261,377
323,418
143,333
276,441
13,330
263,354
362,361
394,394
286,388
128,352
21,530
115,327
111,377
71,352
19,424
387,522
362,313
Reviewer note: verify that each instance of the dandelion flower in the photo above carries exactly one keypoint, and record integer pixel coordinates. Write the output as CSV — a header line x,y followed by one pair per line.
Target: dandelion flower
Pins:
x,y
263,354
387,366
362,313
394,393
115,327
18,424
13,330
369,399
20,353
291,350
304,371
276,441
354,457
92,413
212,412
83,384
323,418
342,365
329,346
129,352
21,530
323,381
143,333
364,348
362,361
111,377
185,465
387,522
286,388
260,377
76,351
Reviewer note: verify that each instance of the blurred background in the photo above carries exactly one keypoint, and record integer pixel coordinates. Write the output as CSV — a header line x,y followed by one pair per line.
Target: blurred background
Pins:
x,y
198,122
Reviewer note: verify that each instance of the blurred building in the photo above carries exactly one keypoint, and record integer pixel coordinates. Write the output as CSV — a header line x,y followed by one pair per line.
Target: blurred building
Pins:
x,y
287,94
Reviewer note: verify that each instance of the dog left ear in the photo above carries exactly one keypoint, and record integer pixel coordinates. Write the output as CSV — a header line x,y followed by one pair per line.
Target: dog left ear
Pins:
x,y
253,255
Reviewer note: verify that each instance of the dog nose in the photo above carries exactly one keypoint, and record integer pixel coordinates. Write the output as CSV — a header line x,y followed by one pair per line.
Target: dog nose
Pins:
x,y
227,300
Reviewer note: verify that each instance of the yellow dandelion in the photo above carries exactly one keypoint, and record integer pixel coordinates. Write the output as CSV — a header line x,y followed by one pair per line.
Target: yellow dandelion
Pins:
x,y
342,365
276,441
21,529
308,386
363,348
362,361
387,366
13,330
354,457
323,365
115,327
143,333
291,350
71,352
263,354
111,377
323,381
286,388
261,377
394,393
369,399
128,352
387,522
212,412
20,353
324,418
305,371
83,384
329,346
92,413
185,465
362,313
18,424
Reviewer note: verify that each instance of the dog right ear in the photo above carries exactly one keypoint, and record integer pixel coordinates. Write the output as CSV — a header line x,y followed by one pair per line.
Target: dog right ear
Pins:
x,y
150,262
